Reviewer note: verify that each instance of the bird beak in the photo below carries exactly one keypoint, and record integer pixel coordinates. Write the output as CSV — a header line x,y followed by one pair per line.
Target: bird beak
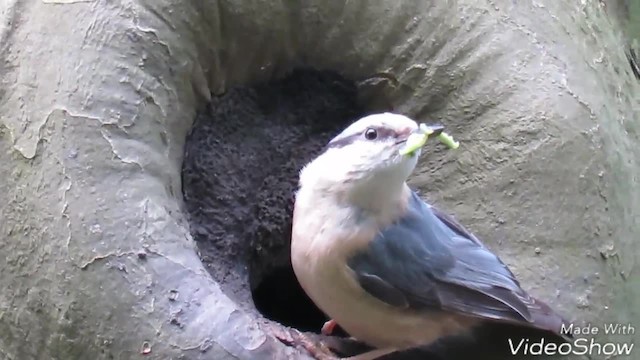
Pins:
x,y
435,130
419,137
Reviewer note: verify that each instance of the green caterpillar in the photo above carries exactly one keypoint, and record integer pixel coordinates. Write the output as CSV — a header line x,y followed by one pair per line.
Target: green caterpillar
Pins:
x,y
448,140
416,141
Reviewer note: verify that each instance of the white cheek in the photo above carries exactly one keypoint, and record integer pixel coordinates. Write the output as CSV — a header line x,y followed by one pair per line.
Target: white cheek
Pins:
x,y
409,163
332,166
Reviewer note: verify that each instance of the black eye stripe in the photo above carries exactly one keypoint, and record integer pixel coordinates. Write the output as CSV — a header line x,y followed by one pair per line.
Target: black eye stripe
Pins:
x,y
384,133
335,144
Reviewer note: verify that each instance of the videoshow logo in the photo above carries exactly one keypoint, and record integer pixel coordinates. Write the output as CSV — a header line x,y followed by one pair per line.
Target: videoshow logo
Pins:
x,y
580,345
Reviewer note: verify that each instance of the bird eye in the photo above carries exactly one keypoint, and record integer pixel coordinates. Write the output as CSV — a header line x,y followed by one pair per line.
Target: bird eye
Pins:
x,y
370,134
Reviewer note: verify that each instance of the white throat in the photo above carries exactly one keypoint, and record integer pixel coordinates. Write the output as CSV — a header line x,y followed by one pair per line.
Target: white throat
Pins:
x,y
379,194
329,178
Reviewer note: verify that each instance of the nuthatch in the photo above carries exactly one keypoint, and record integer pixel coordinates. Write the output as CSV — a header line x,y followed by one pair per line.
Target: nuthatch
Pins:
x,y
390,269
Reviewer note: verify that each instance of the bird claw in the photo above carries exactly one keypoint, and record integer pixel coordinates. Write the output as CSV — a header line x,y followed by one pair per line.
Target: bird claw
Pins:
x,y
317,349
328,327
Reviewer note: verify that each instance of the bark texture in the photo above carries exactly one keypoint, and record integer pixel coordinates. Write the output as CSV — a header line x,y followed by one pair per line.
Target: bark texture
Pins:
x,y
97,99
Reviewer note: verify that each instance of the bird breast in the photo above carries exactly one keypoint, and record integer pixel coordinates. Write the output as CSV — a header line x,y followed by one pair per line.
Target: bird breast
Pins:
x,y
322,241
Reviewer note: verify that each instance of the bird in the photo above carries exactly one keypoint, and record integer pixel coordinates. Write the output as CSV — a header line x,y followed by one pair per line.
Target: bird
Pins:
x,y
390,269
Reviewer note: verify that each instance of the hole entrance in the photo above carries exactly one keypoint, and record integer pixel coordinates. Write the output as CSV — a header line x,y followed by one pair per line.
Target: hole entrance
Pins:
x,y
240,171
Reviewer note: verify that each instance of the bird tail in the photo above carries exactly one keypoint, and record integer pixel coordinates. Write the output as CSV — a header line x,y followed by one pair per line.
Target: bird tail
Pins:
x,y
545,318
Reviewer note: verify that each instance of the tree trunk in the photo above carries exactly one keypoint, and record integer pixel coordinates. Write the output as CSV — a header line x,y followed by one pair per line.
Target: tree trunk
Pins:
x,y
97,99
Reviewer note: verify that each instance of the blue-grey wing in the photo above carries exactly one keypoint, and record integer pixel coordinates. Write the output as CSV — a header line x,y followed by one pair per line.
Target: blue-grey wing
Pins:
x,y
426,261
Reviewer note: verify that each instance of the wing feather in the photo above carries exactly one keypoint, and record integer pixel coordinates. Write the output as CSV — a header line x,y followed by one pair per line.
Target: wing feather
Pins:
x,y
426,260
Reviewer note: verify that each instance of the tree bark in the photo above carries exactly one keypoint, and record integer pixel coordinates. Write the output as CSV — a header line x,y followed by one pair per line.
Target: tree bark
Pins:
x,y
97,98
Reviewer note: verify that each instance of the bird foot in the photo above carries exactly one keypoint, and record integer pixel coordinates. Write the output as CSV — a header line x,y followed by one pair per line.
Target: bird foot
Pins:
x,y
317,349
328,327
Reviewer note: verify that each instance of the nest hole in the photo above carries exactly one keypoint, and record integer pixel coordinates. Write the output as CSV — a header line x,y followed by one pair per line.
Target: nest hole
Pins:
x,y
240,172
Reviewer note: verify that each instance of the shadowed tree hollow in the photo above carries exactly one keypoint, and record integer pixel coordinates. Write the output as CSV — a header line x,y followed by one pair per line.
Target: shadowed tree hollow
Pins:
x,y
149,151
240,171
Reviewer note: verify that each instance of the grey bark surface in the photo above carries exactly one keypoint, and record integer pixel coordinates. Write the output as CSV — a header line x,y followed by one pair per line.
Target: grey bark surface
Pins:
x,y
97,98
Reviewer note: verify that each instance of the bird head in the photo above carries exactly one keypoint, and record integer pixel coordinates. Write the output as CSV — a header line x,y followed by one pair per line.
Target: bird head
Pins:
x,y
368,156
